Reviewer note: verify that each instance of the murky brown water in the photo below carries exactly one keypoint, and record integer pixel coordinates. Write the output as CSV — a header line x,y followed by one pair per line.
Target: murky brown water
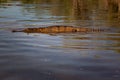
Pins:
x,y
79,56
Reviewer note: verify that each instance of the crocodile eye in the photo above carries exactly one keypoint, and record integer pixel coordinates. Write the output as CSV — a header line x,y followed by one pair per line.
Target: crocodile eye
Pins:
x,y
30,29
74,30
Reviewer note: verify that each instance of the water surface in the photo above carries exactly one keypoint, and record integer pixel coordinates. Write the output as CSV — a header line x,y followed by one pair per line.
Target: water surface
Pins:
x,y
66,56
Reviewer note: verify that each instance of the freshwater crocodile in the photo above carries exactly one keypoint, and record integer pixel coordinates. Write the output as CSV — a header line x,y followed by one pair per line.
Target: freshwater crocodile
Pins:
x,y
58,29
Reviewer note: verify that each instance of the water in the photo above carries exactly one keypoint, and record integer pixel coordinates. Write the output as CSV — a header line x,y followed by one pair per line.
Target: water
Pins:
x,y
78,56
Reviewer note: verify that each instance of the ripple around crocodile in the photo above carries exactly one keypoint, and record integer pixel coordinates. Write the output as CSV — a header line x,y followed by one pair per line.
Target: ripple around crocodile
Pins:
x,y
59,29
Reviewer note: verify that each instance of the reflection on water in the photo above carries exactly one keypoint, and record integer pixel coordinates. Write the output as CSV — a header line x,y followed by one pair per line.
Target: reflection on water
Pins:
x,y
79,56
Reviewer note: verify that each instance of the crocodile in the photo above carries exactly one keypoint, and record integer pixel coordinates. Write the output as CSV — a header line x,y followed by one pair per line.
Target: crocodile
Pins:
x,y
58,29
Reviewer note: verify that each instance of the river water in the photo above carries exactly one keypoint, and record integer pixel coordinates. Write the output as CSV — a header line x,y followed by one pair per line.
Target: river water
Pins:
x,y
66,56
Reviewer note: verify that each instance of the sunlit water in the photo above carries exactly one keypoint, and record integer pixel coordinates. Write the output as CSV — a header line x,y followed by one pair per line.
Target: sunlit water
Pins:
x,y
78,56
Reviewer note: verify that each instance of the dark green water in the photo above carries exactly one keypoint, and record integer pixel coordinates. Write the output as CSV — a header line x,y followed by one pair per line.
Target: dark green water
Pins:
x,y
79,56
